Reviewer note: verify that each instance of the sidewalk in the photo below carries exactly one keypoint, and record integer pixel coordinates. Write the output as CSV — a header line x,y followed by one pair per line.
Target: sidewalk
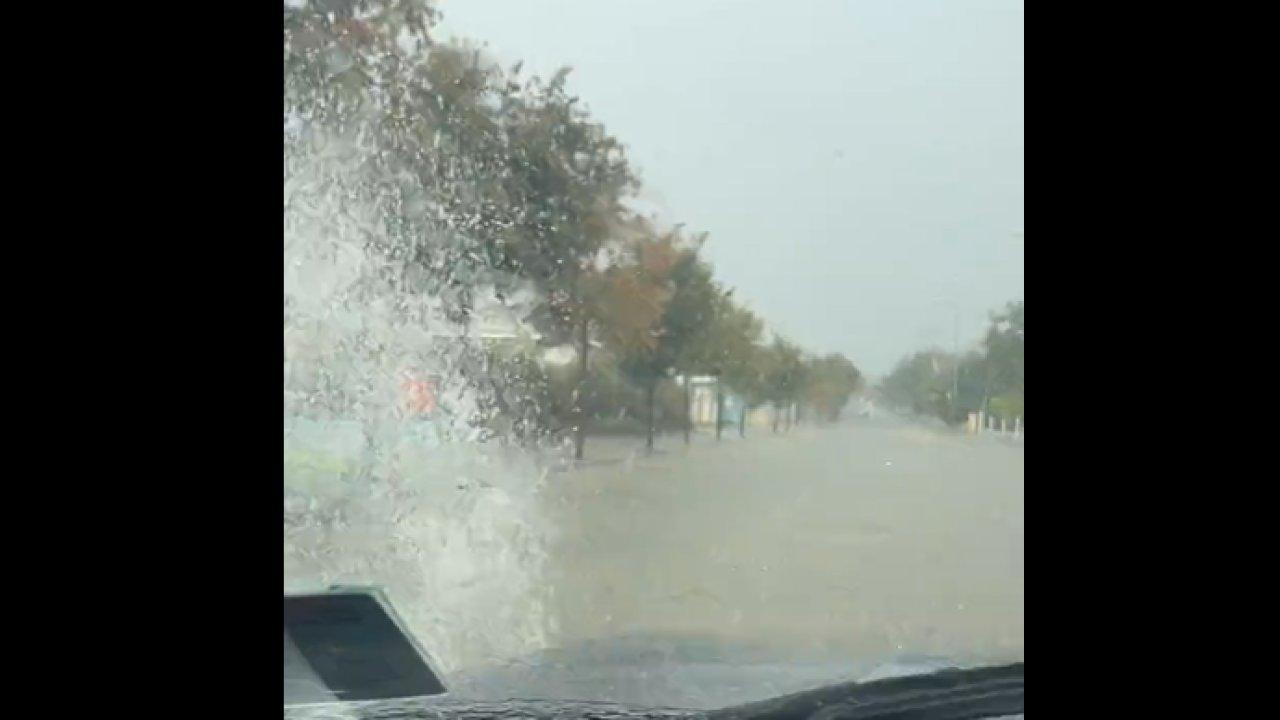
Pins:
x,y
628,450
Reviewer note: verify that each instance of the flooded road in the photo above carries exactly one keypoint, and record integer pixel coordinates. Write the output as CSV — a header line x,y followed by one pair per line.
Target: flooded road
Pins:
x,y
861,541
696,577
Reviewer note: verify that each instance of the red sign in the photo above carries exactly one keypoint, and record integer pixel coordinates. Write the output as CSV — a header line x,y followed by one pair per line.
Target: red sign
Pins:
x,y
421,395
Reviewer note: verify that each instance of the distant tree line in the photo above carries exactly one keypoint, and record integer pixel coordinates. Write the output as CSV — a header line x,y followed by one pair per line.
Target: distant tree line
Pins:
x,y
991,379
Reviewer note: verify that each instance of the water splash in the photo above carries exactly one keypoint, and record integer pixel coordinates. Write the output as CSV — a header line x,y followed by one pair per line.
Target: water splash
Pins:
x,y
422,506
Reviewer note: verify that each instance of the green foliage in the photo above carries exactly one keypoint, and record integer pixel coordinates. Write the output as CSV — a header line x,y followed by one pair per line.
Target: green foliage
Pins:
x,y
784,372
1005,353
830,381
1006,407
992,380
921,384
678,335
487,182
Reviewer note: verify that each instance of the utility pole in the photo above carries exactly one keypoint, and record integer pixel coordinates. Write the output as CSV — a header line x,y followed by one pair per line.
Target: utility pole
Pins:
x,y
719,404
688,408
580,412
653,388
949,301
955,372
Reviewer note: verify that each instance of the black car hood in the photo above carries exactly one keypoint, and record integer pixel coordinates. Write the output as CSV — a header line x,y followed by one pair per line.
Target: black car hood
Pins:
x,y
347,654
668,671
953,694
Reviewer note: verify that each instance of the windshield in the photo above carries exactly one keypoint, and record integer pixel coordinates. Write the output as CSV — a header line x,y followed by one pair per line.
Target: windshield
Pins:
x,y
666,353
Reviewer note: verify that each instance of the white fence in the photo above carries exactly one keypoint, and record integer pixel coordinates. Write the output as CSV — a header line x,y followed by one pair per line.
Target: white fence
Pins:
x,y
979,423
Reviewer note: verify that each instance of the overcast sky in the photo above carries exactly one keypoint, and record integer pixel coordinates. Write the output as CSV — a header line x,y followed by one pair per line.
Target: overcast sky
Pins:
x,y
858,163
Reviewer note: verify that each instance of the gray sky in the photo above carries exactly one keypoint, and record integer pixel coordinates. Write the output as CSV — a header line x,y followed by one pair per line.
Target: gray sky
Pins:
x,y
858,163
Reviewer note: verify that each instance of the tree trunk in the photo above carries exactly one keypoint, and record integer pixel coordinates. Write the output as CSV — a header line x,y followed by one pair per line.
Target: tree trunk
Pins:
x,y
580,414
742,422
688,409
653,385
719,408
776,416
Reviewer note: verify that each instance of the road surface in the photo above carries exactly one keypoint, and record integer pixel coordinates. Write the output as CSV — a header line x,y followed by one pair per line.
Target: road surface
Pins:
x,y
873,539
698,577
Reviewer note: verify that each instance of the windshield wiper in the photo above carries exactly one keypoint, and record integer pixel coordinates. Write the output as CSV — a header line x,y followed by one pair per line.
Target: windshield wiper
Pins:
x,y
348,644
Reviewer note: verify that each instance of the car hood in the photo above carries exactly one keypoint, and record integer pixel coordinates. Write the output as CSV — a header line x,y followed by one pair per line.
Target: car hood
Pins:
x,y
988,692
666,671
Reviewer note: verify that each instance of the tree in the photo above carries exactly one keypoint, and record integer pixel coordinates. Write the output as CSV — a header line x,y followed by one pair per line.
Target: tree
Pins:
x,y
829,383
687,319
1005,359
484,183
922,383
414,122
990,381
479,182
750,381
684,316
783,377
567,177
730,351
369,174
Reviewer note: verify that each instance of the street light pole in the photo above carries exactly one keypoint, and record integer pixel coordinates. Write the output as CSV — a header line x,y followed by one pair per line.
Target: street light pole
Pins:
x,y
949,301
955,372
719,404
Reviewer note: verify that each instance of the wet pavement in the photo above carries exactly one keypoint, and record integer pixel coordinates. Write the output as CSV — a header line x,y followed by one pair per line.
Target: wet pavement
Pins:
x,y
829,548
